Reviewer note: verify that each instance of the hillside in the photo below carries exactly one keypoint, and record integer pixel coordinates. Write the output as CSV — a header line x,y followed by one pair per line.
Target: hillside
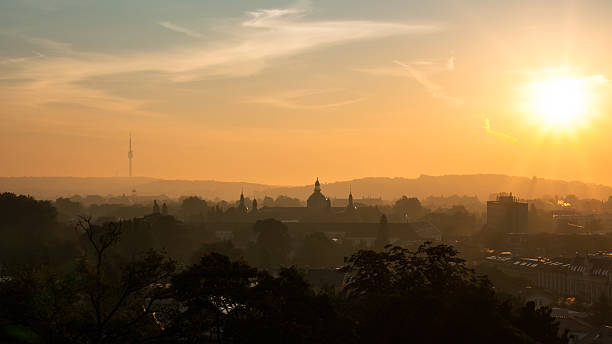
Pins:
x,y
482,186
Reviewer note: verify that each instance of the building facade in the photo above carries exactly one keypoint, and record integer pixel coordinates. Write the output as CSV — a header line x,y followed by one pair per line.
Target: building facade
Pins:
x,y
507,214
585,278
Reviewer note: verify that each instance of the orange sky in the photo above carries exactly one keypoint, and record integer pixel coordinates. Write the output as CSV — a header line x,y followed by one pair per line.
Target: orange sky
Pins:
x,y
282,92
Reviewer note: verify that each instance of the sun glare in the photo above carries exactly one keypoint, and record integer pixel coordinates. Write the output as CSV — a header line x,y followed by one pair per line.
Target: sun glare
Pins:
x,y
561,103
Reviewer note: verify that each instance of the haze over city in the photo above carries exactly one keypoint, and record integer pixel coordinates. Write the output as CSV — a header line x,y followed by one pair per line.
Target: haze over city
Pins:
x,y
305,171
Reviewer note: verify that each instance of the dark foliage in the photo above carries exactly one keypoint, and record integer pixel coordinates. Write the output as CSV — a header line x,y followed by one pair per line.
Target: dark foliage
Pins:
x,y
102,300
118,290
272,246
428,295
230,302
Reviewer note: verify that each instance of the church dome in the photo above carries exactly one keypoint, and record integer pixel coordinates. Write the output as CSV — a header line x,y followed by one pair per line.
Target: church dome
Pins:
x,y
317,200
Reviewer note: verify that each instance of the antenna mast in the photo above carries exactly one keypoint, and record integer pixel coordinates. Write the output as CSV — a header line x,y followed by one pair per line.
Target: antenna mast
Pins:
x,y
130,155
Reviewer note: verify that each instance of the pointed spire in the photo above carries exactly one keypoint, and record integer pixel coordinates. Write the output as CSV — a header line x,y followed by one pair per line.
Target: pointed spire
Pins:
x,y
242,204
350,199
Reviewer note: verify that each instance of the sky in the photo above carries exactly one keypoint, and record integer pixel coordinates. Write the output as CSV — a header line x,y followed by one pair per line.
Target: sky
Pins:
x,y
282,92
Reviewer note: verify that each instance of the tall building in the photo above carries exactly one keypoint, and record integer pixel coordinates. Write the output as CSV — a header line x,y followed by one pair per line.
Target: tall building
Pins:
x,y
507,214
130,154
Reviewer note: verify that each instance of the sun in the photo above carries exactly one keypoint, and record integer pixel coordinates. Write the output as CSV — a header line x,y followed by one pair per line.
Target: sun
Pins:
x,y
559,103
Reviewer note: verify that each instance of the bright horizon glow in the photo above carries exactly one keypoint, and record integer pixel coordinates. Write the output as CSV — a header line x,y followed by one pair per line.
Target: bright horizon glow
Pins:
x,y
559,103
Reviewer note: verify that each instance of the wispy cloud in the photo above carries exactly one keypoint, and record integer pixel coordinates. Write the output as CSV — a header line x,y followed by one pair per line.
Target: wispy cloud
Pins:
x,y
503,136
307,99
433,88
180,29
17,60
263,35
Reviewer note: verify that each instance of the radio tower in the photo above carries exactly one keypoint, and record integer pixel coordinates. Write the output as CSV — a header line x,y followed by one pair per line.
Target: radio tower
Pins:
x,y
130,155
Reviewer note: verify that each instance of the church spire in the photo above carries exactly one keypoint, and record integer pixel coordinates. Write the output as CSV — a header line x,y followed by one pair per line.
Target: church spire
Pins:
x,y
317,186
350,199
242,205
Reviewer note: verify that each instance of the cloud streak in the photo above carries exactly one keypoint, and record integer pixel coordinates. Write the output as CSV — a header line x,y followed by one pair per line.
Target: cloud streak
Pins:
x,y
180,29
433,88
261,36
306,99
498,134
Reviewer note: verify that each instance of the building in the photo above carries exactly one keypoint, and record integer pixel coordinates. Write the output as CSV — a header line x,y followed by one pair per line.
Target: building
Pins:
x,y
317,201
319,209
585,278
507,214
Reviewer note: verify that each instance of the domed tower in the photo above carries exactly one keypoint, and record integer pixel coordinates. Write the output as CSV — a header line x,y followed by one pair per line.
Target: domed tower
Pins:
x,y
317,200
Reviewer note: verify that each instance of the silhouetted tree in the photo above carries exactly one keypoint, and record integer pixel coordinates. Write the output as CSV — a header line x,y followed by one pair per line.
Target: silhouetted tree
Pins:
x,y
286,201
214,291
29,233
406,209
318,251
453,222
102,301
539,324
225,248
285,309
193,209
230,302
68,210
272,246
428,296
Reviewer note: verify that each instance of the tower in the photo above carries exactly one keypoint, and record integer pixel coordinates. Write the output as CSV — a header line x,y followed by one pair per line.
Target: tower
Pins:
x,y
317,200
242,205
351,205
130,155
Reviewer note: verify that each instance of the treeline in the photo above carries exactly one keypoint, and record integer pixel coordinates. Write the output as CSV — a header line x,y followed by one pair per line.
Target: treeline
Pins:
x,y
34,234
390,296
453,220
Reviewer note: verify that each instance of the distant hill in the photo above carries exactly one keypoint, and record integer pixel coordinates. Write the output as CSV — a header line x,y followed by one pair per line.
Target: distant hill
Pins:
x,y
480,185
54,187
